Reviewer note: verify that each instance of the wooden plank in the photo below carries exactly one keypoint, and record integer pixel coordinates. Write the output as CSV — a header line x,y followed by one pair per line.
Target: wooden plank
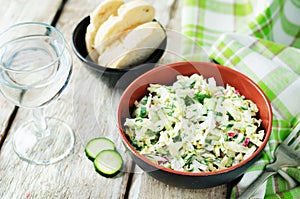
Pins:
x,y
145,187
27,10
16,181
73,177
6,110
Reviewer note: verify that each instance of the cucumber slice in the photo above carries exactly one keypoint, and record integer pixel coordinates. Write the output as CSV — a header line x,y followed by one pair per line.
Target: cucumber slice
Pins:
x,y
108,163
96,145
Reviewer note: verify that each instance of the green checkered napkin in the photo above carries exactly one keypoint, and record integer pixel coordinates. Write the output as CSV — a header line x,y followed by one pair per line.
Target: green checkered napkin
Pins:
x,y
259,38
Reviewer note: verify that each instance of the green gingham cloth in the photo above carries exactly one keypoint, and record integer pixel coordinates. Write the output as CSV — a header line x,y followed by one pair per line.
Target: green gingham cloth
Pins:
x,y
259,38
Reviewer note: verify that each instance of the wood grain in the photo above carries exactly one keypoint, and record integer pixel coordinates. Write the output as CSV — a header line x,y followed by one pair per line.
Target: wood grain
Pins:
x,y
27,10
74,177
145,187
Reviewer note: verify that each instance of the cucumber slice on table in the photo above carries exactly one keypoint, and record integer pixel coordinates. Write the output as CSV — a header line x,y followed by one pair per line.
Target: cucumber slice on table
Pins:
x,y
108,163
96,145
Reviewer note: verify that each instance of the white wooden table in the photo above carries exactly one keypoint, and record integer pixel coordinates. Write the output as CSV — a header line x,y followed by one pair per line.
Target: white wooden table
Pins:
x,y
89,106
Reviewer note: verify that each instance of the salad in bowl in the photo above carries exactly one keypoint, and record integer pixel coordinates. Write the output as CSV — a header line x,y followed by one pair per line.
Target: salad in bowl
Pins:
x,y
195,125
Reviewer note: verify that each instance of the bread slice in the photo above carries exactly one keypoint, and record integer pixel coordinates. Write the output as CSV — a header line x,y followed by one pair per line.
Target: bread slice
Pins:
x,y
103,11
130,15
134,47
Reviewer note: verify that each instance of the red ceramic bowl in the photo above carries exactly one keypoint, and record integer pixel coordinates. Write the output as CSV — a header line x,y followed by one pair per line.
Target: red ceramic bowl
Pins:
x,y
167,75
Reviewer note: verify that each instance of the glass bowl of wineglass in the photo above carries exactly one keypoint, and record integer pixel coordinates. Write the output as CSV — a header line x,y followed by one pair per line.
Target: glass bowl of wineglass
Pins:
x,y
35,68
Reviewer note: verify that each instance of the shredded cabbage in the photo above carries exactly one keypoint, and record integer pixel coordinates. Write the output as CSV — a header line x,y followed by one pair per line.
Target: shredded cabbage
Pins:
x,y
195,125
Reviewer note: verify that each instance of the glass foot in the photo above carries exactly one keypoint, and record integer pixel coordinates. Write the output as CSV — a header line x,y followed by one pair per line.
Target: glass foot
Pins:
x,y
49,147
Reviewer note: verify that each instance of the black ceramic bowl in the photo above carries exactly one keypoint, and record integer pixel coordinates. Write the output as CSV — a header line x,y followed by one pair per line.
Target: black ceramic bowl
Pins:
x,y
166,75
79,47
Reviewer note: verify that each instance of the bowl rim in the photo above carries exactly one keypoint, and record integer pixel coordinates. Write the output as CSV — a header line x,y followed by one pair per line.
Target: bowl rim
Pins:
x,y
83,23
196,174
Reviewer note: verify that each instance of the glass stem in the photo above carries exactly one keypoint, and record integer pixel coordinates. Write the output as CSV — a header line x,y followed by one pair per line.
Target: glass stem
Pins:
x,y
40,123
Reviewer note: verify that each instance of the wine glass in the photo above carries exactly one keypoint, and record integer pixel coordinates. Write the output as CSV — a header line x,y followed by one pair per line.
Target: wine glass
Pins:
x,y
35,68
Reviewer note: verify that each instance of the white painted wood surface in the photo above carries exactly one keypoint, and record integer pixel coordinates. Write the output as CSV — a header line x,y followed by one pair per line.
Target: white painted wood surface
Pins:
x,y
89,106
